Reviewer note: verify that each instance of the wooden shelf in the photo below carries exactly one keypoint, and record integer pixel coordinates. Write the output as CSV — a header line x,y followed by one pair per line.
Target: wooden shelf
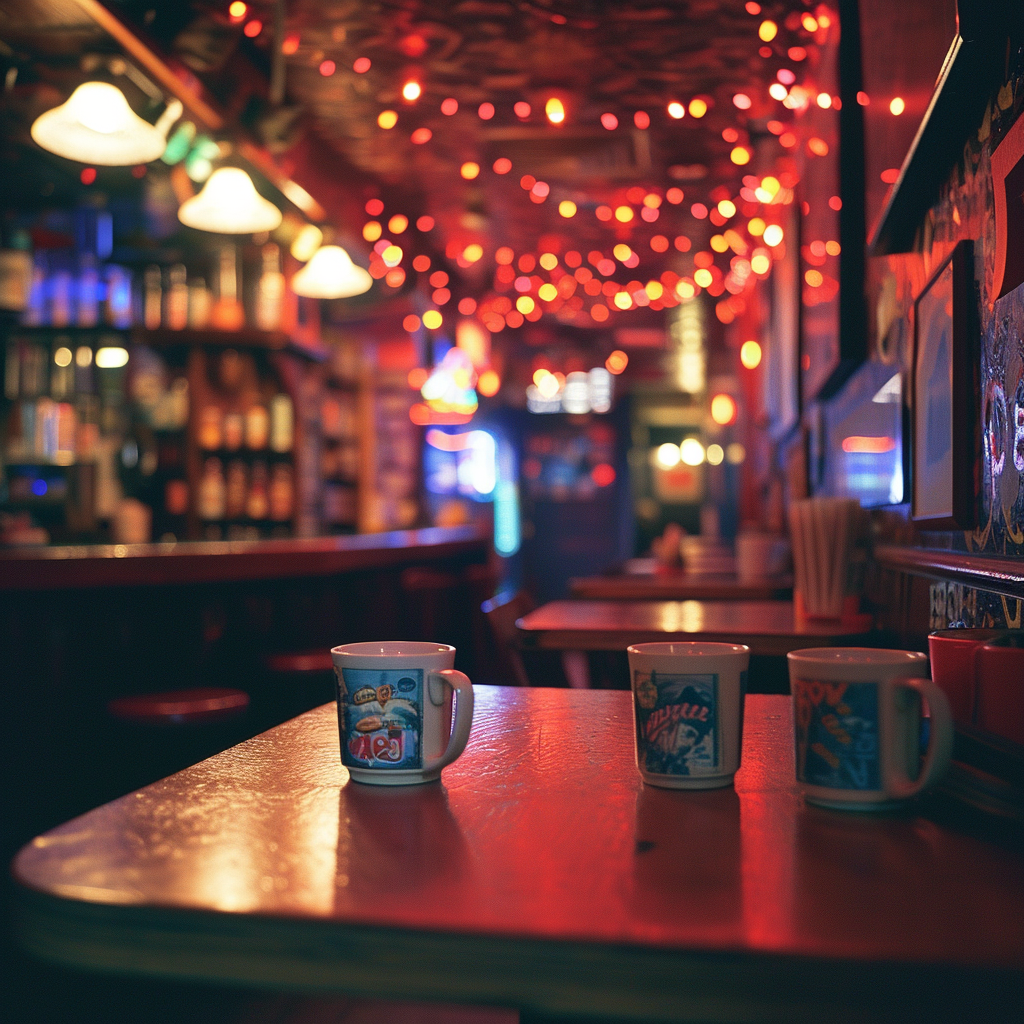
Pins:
x,y
986,572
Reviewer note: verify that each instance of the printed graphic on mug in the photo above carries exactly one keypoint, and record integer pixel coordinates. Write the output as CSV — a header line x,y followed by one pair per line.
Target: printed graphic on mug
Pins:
x,y
837,734
677,723
383,711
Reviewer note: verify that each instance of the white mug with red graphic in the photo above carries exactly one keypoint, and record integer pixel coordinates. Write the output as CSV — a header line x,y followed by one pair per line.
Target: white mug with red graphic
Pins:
x,y
395,703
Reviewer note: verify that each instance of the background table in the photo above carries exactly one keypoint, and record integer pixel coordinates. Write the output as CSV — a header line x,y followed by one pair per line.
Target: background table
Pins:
x,y
540,874
642,579
767,627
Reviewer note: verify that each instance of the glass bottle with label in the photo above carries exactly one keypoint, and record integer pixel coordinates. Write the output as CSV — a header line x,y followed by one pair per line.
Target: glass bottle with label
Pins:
x,y
282,493
212,495
152,298
227,313
257,505
176,300
270,290
282,423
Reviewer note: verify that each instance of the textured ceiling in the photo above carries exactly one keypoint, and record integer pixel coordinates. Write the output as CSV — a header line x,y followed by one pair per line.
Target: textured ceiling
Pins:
x,y
616,66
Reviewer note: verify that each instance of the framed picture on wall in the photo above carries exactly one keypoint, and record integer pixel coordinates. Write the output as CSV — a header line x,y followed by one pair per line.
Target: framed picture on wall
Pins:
x,y
943,396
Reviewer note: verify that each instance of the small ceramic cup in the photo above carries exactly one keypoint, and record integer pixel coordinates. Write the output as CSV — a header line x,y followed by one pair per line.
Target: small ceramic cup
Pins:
x,y
395,701
952,655
857,725
688,712
999,671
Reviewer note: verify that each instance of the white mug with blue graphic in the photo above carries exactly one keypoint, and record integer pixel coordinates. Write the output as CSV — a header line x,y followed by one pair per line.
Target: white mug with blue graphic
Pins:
x,y
858,725
688,712
395,704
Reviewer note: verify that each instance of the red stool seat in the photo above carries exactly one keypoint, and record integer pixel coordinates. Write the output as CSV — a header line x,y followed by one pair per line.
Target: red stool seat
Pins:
x,y
176,707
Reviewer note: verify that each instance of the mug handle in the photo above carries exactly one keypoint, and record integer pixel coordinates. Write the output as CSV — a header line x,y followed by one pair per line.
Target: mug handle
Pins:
x,y
460,683
940,741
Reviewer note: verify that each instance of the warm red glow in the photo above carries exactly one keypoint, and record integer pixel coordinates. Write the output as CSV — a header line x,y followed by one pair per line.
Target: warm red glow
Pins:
x,y
361,65
723,409
327,68
417,377
411,323
861,445
485,111
642,119
616,362
290,44
890,174
88,175
421,136
489,383
502,165
253,28
425,223
449,106
603,474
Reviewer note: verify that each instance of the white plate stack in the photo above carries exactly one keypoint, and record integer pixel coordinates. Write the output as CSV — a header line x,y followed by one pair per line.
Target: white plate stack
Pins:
x,y
707,556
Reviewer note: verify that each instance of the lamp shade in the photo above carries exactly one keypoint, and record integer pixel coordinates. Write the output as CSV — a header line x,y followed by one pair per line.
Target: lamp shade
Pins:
x,y
331,274
230,205
96,126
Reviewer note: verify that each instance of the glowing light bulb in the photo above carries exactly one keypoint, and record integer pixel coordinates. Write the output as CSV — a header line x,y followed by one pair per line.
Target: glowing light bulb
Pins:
x,y
897,106
691,452
676,110
411,91
667,455
555,110
750,354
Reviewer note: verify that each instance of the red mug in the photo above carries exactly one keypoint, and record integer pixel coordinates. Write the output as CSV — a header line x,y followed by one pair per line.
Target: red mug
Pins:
x,y
999,680
951,654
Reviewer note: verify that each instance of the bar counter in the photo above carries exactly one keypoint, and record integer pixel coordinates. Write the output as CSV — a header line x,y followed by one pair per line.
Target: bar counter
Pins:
x,y
121,565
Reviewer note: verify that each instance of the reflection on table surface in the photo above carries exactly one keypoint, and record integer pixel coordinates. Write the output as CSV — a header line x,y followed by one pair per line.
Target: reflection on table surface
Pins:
x,y
266,864
767,627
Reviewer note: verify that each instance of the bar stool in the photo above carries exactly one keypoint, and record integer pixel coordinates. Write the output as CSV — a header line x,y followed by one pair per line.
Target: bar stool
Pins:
x,y
158,734
298,681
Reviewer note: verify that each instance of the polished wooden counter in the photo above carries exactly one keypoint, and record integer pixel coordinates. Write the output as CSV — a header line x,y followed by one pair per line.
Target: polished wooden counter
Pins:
x,y
540,874
120,565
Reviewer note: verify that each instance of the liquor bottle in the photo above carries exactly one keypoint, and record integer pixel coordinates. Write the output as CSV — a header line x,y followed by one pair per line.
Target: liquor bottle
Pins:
x,y
200,303
257,504
152,298
282,493
212,495
237,490
176,300
282,423
210,431
87,308
227,313
15,269
270,290
257,427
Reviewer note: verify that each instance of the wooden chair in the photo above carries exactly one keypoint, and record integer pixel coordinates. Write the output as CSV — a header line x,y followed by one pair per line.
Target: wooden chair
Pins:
x,y
521,667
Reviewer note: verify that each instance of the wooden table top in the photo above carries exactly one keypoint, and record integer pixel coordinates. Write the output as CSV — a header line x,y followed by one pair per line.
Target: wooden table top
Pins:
x,y
642,579
767,627
540,873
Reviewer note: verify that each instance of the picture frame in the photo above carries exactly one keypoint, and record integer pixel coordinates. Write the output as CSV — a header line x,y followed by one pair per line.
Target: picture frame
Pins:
x,y
943,396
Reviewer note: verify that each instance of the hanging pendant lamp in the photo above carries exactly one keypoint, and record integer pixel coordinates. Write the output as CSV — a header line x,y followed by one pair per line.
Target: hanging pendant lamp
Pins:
x,y
331,274
230,205
96,126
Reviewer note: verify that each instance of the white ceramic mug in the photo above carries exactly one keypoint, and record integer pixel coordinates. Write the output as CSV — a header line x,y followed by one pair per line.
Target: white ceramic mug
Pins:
x,y
688,712
857,724
395,710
